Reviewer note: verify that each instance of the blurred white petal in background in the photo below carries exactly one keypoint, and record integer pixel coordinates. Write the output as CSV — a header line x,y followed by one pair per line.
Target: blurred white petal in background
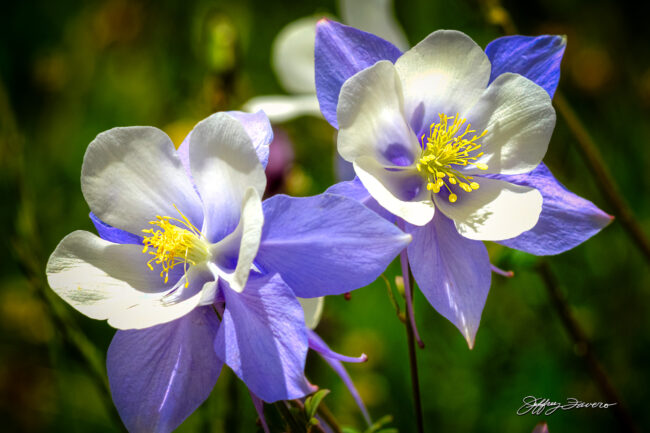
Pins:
x,y
280,108
292,57
376,17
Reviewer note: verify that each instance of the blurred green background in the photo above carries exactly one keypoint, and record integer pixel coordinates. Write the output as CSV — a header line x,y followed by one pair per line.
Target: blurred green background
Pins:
x,y
69,70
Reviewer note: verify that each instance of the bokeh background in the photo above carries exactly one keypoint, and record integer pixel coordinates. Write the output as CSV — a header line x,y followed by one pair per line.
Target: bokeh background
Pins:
x,y
70,69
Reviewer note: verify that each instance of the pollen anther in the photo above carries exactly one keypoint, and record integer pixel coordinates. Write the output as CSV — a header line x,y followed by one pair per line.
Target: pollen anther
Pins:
x,y
173,244
445,150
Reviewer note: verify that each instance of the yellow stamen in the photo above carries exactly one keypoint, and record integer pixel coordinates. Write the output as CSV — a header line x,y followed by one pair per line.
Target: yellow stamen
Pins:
x,y
446,150
174,244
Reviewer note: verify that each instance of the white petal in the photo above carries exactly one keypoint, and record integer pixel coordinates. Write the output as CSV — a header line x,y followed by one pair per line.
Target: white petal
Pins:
x,y
445,73
376,17
313,309
131,175
371,119
519,118
224,166
281,108
112,281
497,210
152,312
209,291
293,55
242,244
402,193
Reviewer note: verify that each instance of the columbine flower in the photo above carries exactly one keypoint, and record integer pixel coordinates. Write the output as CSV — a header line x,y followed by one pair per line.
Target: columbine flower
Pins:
x,y
292,56
450,139
181,240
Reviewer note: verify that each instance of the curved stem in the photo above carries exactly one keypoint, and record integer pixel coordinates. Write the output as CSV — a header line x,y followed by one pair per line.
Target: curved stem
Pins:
x,y
606,184
586,351
496,14
325,413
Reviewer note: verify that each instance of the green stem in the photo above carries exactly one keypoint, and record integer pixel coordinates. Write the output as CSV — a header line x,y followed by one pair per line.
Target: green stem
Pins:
x,y
294,425
233,417
393,301
327,415
413,364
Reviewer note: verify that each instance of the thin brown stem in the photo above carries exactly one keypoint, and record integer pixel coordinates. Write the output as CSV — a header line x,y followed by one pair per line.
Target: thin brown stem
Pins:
x,y
603,178
327,415
585,350
496,14
408,292
294,425
411,339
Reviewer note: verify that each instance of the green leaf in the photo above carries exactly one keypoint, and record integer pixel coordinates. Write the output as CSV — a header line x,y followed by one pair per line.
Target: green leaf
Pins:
x,y
349,430
376,427
312,402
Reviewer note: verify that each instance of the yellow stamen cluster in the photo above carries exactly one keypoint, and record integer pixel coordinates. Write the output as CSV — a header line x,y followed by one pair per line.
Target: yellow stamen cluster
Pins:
x,y
172,244
445,147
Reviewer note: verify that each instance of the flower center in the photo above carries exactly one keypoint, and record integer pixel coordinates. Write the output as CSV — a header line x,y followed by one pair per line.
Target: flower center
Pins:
x,y
172,245
444,149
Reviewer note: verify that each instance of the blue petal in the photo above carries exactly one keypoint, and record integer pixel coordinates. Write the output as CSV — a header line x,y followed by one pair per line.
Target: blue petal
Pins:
x,y
566,220
334,360
355,190
160,375
453,272
340,52
326,244
318,345
536,58
263,338
112,234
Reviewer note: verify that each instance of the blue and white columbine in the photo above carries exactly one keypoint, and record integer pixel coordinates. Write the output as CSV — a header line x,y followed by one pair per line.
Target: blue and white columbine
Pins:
x,y
450,139
195,271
